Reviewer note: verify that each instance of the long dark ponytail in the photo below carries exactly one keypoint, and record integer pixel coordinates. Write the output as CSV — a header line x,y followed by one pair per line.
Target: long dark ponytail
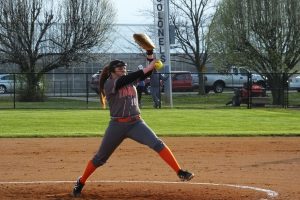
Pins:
x,y
103,77
107,70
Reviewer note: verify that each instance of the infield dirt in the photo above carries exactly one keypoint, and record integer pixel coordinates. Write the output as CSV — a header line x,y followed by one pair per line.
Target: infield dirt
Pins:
x,y
271,163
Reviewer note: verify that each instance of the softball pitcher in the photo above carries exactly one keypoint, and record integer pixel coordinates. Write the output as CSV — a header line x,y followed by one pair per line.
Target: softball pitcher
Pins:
x,y
120,92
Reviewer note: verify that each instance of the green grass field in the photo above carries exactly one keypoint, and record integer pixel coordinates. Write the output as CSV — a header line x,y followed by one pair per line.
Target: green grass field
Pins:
x,y
180,100
165,122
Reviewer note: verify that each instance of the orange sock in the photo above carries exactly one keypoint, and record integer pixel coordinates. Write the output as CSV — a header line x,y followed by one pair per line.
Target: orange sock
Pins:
x,y
90,168
170,159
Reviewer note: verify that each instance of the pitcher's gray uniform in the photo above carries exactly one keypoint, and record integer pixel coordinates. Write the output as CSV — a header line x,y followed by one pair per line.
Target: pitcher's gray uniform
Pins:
x,y
123,103
121,95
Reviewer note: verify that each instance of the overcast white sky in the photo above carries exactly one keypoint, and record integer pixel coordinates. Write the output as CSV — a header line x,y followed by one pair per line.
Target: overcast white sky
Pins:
x,y
128,11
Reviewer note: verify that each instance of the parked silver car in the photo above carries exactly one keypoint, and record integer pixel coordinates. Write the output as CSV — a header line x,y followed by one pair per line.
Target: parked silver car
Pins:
x,y
6,83
294,83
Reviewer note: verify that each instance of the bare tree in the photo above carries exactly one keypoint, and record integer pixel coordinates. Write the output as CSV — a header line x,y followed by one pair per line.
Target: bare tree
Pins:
x,y
40,36
261,34
190,19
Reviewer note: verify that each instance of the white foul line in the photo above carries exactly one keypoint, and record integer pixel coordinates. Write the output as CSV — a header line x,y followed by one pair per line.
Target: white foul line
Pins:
x,y
270,193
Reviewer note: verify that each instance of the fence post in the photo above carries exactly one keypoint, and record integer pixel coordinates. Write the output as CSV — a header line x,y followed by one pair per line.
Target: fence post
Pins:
x,y
67,84
60,88
54,88
14,91
285,91
249,85
159,93
87,89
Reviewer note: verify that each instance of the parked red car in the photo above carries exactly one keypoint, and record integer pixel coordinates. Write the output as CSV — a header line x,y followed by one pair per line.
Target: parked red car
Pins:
x,y
181,81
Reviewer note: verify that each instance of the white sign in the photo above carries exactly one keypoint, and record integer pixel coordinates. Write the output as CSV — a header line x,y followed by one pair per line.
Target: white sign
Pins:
x,y
161,13
160,27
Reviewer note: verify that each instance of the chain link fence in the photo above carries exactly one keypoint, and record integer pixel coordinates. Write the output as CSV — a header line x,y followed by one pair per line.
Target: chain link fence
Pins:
x,y
79,91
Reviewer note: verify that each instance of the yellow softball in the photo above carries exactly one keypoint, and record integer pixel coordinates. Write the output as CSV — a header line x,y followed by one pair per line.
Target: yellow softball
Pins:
x,y
158,65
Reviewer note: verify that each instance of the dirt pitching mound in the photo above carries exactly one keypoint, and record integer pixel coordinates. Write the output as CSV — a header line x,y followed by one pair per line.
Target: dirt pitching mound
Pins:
x,y
118,191
272,163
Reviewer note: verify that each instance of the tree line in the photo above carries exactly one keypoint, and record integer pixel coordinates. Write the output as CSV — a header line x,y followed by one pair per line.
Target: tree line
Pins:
x,y
260,34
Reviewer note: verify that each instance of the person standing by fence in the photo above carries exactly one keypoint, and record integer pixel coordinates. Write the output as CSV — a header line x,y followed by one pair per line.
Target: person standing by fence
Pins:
x,y
140,88
155,82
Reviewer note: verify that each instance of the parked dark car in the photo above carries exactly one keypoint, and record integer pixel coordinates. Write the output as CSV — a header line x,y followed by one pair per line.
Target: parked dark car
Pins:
x,y
94,84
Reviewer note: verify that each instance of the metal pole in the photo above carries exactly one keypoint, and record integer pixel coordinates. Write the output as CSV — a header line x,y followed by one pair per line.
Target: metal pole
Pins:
x,y
167,68
161,20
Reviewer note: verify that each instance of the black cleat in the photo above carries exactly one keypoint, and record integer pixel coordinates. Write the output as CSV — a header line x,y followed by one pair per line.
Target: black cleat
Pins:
x,y
185,175
77,188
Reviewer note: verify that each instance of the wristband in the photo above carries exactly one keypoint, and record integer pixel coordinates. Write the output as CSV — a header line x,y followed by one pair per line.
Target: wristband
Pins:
x,y
150,59
149,52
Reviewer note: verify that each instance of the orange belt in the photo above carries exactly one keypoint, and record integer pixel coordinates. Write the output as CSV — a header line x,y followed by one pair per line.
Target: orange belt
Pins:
x,y
127,119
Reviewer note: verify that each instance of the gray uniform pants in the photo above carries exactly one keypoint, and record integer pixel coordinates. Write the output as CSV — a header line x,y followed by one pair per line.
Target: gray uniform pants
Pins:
x,y
155,93
118,131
